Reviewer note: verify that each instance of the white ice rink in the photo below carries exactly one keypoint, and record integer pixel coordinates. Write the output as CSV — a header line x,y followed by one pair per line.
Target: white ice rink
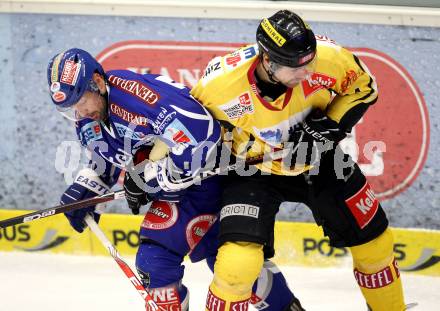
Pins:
x,y
44,282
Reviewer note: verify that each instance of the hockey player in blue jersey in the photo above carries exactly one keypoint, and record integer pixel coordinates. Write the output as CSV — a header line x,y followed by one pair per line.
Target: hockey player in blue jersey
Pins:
x,y
126,121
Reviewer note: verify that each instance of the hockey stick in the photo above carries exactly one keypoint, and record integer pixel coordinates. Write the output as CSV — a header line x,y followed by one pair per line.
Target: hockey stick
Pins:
x,y
149,302
62,209
270,156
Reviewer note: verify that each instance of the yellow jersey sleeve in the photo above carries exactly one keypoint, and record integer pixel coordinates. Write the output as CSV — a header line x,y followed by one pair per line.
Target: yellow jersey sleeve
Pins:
x,y
354,86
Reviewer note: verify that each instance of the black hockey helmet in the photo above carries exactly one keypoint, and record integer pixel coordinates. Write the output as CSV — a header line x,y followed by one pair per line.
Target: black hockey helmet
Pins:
x,y
287,39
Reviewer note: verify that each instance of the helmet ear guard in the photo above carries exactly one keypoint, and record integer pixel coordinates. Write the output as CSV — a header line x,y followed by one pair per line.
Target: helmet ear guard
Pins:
x,y
287,39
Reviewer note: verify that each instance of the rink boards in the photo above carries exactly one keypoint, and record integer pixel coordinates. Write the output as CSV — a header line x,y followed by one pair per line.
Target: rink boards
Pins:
x,y
298,244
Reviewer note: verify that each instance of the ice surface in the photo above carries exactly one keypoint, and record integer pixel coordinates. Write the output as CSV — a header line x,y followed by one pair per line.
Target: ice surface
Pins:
x,y
47,282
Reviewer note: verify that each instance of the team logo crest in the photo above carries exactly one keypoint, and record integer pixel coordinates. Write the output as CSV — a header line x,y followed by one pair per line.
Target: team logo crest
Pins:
x,y
197,227
161,215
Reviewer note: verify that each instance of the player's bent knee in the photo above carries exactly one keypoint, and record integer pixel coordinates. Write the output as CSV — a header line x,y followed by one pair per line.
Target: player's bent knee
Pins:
x,y
152,260
161,271
237,266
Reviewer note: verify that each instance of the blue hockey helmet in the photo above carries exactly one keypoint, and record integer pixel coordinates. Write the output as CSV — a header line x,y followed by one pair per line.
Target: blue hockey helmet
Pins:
x,y
69,75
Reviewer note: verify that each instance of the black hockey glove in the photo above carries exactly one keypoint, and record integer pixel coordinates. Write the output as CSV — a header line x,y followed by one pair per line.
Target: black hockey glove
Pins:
x,y
314,136
141,185
134,195
134,181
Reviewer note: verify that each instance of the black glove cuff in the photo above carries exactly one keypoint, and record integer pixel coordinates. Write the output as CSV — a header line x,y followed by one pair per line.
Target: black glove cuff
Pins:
x,y
319,127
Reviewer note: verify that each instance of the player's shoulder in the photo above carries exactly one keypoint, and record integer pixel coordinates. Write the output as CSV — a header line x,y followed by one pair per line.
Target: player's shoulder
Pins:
x,y
127,79
122,73
327,48
240,57
331,56
130,87
229,64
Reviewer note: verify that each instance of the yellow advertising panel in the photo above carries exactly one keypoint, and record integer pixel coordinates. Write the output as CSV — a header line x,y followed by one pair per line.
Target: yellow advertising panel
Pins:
x,y
299,244
54,234
416,250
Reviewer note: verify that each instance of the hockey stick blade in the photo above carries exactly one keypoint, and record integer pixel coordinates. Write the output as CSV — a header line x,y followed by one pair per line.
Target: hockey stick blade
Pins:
x,y
62,209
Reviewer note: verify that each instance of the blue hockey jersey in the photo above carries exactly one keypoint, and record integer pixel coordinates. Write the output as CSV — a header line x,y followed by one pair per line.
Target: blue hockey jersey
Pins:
x,y
142,108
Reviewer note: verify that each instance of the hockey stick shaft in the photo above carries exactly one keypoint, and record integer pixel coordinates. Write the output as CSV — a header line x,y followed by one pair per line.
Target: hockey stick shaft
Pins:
x,y
62,209
271,156
149,302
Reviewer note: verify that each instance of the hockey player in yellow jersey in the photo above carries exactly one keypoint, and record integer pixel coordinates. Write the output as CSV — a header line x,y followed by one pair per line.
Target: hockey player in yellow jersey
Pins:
x,y
301,93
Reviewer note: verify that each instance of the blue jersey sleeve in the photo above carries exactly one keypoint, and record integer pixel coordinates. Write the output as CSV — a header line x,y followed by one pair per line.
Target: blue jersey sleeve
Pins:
x,y
143,108
192,134
194,139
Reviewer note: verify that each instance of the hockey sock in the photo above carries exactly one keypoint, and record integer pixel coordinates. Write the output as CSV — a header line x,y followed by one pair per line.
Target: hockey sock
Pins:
x,y
377,274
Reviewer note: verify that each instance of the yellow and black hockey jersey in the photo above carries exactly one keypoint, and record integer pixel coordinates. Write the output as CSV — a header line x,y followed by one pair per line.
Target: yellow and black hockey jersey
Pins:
x,y
340,83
